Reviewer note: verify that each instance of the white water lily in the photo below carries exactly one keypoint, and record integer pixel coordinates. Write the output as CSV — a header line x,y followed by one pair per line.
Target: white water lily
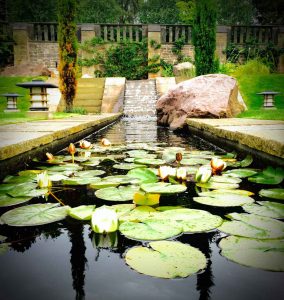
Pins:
x,y
105,142
217,165
85,144
203,174
43,180
165,171
104,220
181,173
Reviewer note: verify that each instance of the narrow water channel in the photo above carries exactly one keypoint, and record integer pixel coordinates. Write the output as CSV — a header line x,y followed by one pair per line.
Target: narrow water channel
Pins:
x,y
64,260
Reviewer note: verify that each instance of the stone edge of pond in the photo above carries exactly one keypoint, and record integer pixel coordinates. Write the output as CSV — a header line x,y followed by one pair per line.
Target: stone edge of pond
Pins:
x,y
16,156
265,150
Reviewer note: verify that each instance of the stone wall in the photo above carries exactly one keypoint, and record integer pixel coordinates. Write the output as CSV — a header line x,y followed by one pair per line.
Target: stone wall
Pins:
x,y
44,53
168,55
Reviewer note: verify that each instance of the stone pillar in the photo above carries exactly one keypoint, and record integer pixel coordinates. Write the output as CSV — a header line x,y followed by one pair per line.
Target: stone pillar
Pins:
x,y
222,40
21,45
281,45
88,31
154,34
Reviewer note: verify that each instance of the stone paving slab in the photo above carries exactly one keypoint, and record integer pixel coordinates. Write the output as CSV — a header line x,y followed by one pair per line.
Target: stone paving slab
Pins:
x,y
19,138
262,135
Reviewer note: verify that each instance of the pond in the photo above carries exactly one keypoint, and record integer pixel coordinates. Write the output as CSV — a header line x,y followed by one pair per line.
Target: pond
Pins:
x,y
68,260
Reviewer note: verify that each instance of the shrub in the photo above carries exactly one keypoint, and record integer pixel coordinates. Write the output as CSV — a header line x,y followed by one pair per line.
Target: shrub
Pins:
x,y
252,67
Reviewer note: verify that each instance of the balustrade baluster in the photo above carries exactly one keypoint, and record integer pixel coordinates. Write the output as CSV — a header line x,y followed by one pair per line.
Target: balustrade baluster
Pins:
x,y
130,33
45,32
170,34
118,33
124,33
52,36
105,33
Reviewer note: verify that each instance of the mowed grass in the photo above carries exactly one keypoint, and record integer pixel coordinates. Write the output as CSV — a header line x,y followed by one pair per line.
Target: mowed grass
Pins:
x,y
250,85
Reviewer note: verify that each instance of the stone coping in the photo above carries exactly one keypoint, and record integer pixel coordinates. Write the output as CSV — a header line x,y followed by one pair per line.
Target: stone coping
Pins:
x,y
266,136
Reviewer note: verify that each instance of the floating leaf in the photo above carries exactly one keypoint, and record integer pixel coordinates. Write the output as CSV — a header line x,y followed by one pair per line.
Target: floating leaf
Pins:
x,y
4,247
222,191
103,184
269,176
122,193
20,179
150,230
163,188
253,226
222,199
138,214
62,168
247,161
166,259
56,176
225,179
6,200
266,209
122,209
191,220
121,179
137,153
89,173
164,208
149,161
128,166
272,193
267,255
81,181
82,212
142,198
241,173
194,161
28,190
2,238
145,175
35,214
218,185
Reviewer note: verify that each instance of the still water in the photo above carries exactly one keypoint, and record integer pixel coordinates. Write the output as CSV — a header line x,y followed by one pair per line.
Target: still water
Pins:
x,y
62,261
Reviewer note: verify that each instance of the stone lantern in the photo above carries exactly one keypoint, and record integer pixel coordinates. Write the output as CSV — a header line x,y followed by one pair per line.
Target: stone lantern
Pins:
x,y
11,102
268,99
38,96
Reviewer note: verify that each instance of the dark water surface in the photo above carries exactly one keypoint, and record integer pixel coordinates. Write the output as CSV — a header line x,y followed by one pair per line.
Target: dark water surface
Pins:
x,y
61,260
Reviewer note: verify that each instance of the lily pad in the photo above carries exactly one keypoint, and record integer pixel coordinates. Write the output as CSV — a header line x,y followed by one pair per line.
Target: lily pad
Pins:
x,y
267,209
103,184
138,214
6,200
225,179
35,214
121,179
81,181
149,161
166,259
28,190
82,212
194,161
145,175
241,173
128,166
272,193
222,199
122,209
142,198
89,173
191,220
163,188
218,185
253,226
122,193
4,247
239,192
269,175
150,230
266,255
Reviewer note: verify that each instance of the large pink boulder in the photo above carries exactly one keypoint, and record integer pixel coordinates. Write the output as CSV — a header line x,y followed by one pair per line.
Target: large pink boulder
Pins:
x,y
206,96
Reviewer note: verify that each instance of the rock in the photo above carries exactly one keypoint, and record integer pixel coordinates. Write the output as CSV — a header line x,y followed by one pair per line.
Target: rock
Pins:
x,y
179,69
206,96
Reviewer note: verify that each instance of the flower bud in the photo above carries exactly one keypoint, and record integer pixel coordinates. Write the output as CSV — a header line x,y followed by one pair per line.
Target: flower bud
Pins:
x,y
217,165
43,180
49,156
105,142
71,149
178,157
85,144
104,220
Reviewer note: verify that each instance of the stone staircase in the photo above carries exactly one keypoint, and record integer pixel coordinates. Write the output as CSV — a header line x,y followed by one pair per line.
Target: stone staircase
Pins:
x,y
140,98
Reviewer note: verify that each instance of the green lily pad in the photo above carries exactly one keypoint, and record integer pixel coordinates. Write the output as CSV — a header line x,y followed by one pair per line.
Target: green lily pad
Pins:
x,y
6,200
122,193
89,173
2,238
272,193
222,191
166,259
138,214
225,179
266,208
4,247
168,207
128,166
121,179
191,220
194,161
163,188
62,168
103,184
35,214
253,226
122,209
20,179
81,181
82,212
56,176
28,190
241,173
266,255
218,185
150,230
222,199
149,161
145,175
269,176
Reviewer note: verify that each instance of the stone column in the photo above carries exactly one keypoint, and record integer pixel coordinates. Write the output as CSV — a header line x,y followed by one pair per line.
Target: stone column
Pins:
x,y
21,45
154,34
222,40
281,45
88,31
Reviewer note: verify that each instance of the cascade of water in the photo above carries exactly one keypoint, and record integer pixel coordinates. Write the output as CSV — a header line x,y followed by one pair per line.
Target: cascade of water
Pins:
x,y
140,98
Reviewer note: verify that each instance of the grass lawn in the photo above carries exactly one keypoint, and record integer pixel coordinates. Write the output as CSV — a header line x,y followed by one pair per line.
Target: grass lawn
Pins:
x,y
250,85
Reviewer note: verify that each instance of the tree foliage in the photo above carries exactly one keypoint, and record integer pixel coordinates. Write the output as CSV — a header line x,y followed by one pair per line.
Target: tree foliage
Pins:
x,y
67,50
204,36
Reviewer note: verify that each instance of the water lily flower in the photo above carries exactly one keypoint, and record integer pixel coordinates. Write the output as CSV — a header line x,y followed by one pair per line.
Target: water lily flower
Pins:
x,y
105,142
181,173
104,220
178,157
43,180
85,144
203,174
217,165
71,149
49,156
165,171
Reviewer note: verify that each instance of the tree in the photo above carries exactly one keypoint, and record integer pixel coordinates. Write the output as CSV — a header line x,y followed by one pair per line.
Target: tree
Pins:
x,y
204,36
67,50
269,12
186,11
129,10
